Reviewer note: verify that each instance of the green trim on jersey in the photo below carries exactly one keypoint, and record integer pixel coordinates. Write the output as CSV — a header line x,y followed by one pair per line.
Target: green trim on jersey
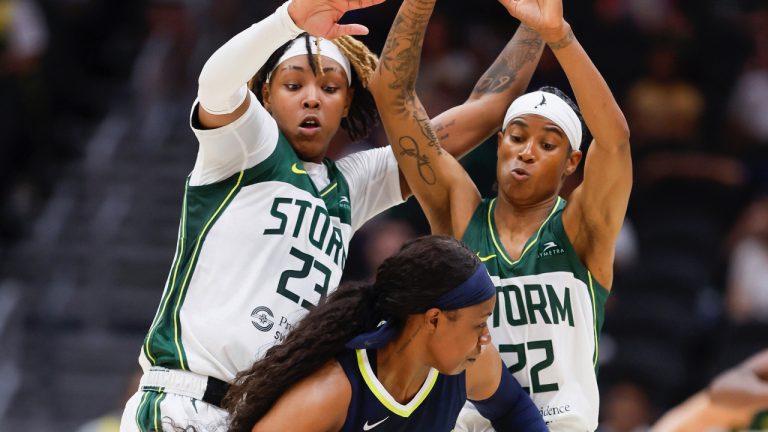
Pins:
x,y
548,250
202,206
148,416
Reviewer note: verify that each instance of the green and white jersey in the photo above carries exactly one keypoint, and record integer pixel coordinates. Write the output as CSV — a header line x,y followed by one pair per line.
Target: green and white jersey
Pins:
x,y
263,237
548,315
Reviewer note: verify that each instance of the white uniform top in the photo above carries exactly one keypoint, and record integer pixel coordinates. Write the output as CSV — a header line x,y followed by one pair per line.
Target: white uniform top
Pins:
x,y
260,242
547,321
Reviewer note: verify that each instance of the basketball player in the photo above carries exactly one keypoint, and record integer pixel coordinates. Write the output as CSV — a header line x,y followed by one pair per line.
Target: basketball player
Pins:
x,y
551,261
266,219
342,370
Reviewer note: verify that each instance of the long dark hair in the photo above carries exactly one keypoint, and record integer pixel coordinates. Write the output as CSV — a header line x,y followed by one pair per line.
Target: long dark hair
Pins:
x,y
362,116
406,283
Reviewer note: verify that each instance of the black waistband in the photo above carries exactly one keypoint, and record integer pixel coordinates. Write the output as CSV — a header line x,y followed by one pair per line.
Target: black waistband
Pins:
x,y
215,391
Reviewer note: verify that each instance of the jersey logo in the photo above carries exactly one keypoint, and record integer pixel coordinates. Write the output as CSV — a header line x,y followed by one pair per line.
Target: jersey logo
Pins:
x,y
262,318
549,245
551,248
296,170
367,427
485,258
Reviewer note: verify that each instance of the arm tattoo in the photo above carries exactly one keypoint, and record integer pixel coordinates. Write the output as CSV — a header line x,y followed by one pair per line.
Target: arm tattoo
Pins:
x,y
564,42
441,130
522,49
401,56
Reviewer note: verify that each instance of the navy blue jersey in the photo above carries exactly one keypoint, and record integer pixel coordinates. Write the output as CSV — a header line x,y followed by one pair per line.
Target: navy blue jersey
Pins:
x,y
434,408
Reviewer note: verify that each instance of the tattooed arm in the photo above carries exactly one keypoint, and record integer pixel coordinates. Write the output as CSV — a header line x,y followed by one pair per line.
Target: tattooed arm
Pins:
x,y
444,190
464,127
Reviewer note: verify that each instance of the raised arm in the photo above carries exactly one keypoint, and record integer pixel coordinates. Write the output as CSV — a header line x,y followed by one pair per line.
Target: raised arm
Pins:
x,y
443,188
464,127
597,207
223,81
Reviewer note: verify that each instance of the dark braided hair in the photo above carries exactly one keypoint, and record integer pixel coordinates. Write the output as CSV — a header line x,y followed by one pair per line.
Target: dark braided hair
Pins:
x,y
362,116
406,283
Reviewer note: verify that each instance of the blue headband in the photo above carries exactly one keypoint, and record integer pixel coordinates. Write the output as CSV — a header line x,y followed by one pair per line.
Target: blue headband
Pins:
x,y
477,289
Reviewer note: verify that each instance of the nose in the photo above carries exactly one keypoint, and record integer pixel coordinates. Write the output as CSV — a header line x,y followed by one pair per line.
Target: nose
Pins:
x,y
526,152
484,338
311,99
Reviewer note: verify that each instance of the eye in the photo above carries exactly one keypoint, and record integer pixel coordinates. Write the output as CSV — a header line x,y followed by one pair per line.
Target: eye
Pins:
x,y
292,86
516,138
330,89
548,146
483,325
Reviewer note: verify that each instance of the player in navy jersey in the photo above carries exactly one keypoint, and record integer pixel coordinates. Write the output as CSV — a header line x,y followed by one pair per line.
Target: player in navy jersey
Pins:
x,y
400,354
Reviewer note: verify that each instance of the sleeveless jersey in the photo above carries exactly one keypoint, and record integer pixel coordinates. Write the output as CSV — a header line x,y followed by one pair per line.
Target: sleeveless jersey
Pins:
x,y
548,315
259,244
433,409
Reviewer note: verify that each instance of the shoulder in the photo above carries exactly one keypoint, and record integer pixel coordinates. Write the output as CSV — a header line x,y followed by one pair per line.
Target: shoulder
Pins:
x,y
319,402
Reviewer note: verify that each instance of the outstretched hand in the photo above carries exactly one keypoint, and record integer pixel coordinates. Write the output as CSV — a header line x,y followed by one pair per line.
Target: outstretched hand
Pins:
x,y
321,17
543,16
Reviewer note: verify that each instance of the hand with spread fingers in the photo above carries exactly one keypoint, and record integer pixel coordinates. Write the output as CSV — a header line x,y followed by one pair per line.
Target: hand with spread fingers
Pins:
x,y
321,18
543,16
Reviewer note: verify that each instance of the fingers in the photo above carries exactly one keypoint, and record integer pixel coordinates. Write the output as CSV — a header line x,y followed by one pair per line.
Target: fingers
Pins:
x,y
360,4
348,29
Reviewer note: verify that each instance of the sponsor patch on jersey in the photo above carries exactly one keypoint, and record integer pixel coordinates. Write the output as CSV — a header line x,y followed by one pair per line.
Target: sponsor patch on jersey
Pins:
x,y
550,249
262,318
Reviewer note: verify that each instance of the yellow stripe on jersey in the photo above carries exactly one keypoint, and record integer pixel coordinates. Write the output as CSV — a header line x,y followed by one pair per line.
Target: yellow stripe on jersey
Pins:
x,y
189,269
384,397
296,170
594,319
327,191
527,248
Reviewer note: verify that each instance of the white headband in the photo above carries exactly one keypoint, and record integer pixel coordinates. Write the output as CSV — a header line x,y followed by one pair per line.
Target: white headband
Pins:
x,y
327,49
550,106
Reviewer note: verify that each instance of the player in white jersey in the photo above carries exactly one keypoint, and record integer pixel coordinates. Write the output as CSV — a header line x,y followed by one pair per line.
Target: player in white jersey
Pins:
x,y
266,218
552,262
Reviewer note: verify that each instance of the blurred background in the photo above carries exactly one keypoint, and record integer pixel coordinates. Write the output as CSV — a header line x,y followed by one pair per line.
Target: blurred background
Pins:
x,y
95,147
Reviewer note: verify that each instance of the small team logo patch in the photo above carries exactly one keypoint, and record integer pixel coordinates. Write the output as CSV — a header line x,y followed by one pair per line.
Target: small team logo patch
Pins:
x,y
262,318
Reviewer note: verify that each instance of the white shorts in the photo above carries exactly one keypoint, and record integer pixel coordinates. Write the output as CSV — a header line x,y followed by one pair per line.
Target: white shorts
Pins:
x,y
170,400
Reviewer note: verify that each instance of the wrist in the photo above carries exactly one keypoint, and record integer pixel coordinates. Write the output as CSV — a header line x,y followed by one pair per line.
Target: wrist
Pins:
x,y
560,37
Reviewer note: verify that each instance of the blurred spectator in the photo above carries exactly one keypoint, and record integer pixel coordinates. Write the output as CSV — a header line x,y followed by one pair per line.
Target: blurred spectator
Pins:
x,y
663,108
748,105
23,41
747,289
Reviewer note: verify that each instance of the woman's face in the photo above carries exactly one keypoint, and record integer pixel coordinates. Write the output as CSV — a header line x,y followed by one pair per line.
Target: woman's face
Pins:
x,y
308,109
459,337
534,158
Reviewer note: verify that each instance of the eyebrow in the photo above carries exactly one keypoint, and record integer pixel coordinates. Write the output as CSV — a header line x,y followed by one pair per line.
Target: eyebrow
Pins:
x,y
301,68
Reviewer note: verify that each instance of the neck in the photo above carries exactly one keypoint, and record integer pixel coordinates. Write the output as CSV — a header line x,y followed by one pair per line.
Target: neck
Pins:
x,y
511,217
401,366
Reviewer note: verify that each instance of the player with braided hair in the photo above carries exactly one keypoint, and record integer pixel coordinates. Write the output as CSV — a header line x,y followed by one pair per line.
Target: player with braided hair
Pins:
x,y
267,218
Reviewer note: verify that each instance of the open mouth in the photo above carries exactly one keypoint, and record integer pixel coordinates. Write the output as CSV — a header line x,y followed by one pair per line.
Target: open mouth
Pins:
x,y
310,123
520,173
